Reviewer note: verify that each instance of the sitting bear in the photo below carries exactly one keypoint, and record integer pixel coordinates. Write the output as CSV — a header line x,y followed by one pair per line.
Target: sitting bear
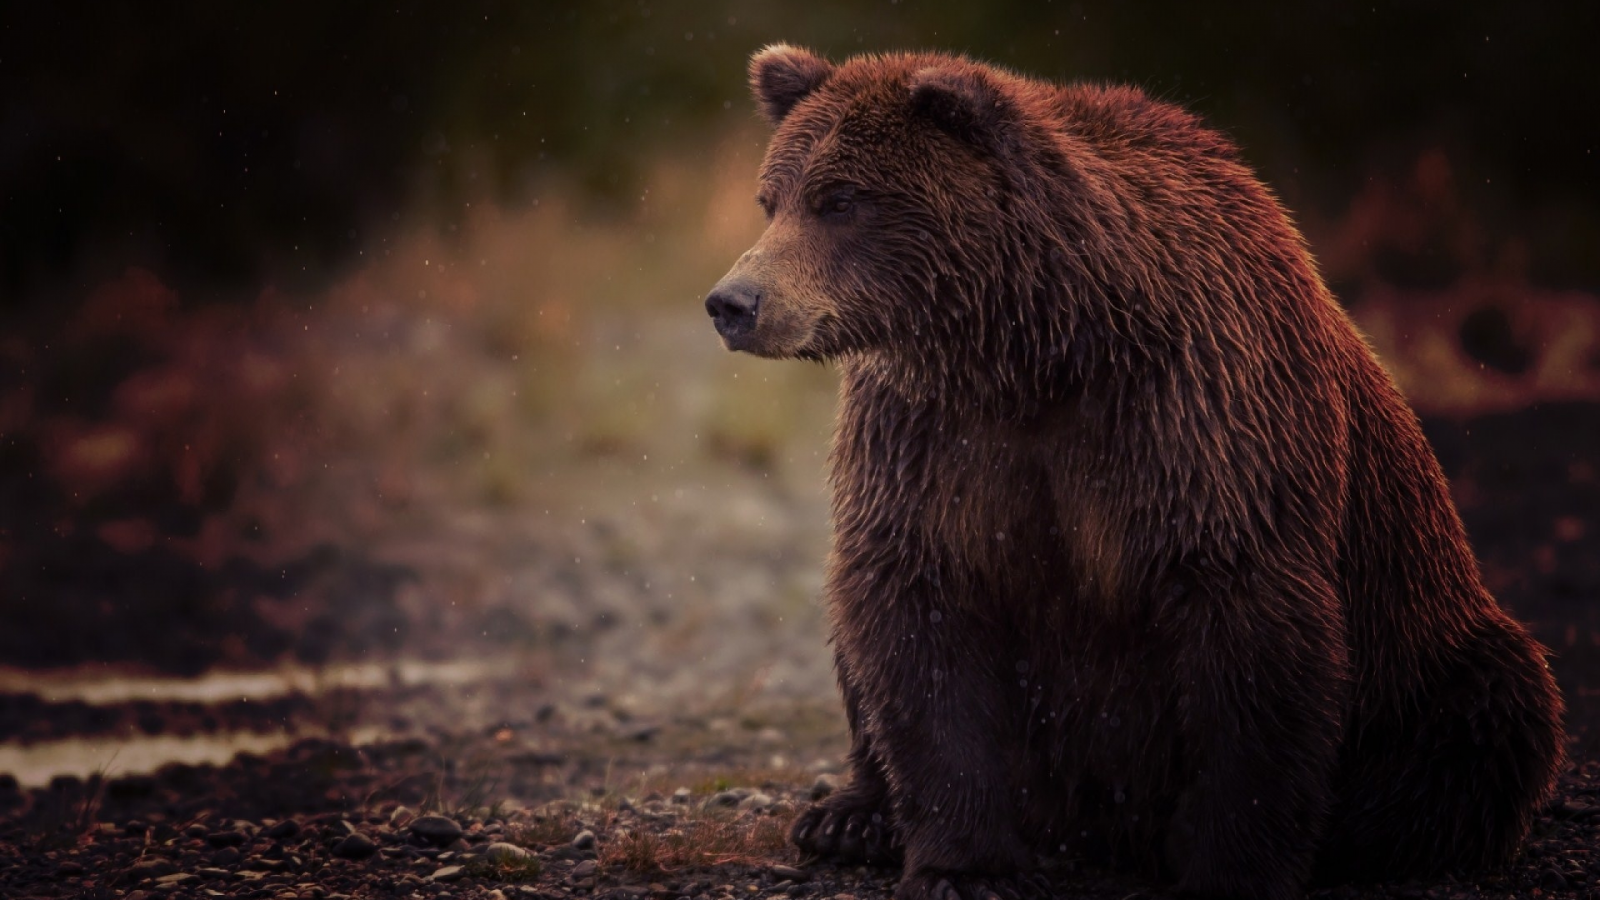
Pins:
x,y
1139,554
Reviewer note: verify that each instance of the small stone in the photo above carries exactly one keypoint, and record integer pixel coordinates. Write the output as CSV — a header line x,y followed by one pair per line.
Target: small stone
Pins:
x,y
448,873
284,830
823,786
438,830
401,816
226,838
729,799
69,867
584,840
151,867
584,869
502,852
681,796
176,879
227,856
789,872
355,846
756,801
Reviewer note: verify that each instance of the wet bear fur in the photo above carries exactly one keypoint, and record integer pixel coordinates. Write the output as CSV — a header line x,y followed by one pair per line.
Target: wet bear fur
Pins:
x,y
1139,554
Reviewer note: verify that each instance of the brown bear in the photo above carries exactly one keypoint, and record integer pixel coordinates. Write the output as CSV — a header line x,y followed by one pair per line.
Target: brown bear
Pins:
x,y
1139,554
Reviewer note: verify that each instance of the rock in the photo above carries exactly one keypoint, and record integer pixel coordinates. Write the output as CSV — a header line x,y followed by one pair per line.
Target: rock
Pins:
x,y
789,872
448,873
585,869
681,796
227,856
228,838
355,846
501,852
151,867
729,799
401,816
584,840
176,879
284,830
823,786
436,830
756,801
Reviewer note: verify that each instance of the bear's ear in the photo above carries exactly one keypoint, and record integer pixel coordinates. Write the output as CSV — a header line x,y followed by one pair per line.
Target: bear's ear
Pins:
x,y
781,76
963,103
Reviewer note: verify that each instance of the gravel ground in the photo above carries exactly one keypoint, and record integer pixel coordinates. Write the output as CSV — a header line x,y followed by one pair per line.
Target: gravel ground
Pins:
x,y
666,710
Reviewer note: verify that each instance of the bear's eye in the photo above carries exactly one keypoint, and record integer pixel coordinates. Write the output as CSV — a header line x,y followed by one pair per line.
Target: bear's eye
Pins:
x,y
837,204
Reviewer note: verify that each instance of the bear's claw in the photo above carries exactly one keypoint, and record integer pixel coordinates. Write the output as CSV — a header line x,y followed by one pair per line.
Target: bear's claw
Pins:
x,y
848,828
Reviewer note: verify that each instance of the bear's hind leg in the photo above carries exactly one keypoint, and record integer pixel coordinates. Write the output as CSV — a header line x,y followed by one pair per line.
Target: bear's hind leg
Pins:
x,y
1454,779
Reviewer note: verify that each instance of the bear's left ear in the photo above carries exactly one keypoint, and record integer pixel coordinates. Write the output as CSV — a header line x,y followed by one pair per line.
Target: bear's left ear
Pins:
x,y
964,103
781,76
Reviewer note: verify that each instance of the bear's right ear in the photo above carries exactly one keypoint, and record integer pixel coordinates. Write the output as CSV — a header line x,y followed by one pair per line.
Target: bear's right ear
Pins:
x,y
964,102
781,76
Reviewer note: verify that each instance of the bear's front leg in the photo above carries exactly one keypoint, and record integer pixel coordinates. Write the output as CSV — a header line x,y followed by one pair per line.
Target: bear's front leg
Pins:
x,y
854,823
935,710
1262,686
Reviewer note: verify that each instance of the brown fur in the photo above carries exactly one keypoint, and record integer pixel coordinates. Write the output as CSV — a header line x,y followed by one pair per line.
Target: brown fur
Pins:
x,y
1138,551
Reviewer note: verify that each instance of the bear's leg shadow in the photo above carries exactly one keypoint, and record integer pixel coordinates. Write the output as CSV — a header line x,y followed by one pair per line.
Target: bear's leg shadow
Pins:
x,y
936,717
1262,684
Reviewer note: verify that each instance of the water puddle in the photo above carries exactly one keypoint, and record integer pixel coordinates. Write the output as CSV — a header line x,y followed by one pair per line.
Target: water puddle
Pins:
x,y
112,756
105,685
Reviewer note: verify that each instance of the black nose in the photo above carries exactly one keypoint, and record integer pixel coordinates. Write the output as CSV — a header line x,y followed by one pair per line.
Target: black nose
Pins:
x,y
733,306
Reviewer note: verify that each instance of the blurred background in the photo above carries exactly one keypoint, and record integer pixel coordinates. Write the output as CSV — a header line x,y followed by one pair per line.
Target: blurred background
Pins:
x,y
357,350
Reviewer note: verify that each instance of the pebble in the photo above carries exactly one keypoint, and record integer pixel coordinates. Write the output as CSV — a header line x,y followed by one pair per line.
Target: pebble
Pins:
x,y
756,801
502,852
681,796
789,872
226,838
823,786
151,867
355,846
284,830
729,799
584,869
227,856
584,840
448,873
439,830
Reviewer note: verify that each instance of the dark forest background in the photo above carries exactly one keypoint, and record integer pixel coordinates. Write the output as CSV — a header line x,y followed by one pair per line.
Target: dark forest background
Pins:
x,y
336,330
233,145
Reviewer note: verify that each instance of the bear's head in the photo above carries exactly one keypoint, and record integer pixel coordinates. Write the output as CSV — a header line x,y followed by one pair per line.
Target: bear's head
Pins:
x,y
885,187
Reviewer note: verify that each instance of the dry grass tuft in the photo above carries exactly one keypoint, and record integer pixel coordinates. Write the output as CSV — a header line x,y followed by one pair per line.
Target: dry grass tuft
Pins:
x,y
710,838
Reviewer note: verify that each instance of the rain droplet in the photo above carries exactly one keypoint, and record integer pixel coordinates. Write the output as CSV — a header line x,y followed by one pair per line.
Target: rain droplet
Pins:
x,y
935,616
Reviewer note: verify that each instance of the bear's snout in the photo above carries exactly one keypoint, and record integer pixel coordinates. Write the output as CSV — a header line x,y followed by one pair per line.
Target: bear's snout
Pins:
x,y
733,306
